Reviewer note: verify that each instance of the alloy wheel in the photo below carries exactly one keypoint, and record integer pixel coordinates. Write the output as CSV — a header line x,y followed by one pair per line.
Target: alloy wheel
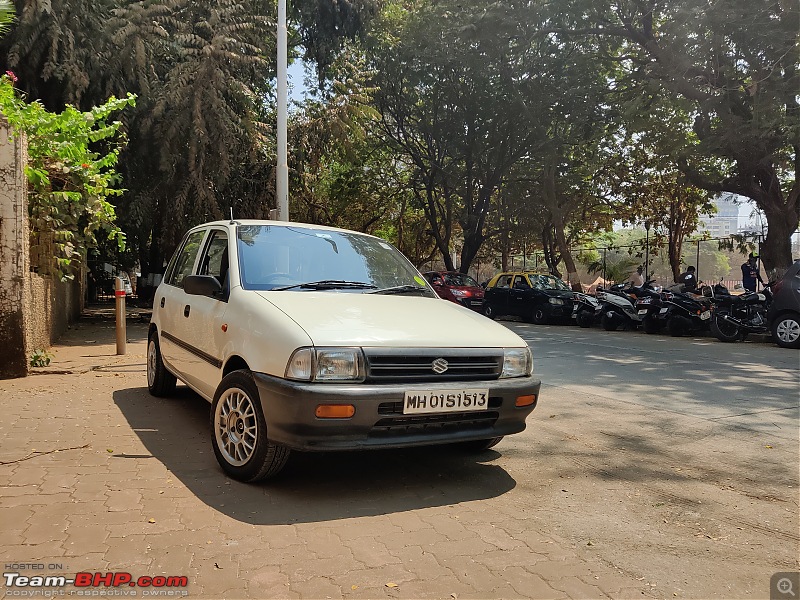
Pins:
x,y
235,426
788,331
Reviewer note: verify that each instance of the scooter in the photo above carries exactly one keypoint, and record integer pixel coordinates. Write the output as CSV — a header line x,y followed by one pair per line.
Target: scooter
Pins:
x,y
586,309
618,308
649,302
734,317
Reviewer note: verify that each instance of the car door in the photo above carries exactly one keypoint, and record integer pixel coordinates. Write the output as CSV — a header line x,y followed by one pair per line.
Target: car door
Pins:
x,y
169,303
498,295
520,296
203,317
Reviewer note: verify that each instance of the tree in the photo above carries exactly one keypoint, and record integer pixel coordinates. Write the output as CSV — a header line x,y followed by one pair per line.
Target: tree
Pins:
x,y
736,66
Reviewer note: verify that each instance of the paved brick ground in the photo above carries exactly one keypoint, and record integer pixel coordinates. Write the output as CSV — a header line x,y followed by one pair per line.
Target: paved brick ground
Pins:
x,y
99,476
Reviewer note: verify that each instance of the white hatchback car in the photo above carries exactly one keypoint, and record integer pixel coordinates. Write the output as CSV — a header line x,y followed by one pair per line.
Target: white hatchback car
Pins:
x,y
313,338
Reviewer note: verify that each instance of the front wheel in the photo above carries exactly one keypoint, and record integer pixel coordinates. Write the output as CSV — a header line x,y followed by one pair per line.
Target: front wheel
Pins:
x,y
651,325
609,323
239,431
539,317
585,319
786,331
724,331
489,311
676,326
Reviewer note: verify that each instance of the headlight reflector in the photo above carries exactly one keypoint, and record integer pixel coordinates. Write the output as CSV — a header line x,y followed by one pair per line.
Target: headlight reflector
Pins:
x,y
556,301
326,364
517,362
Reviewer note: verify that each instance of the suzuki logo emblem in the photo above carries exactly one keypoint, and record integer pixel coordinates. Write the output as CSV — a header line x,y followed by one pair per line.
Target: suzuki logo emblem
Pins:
x,y
439,366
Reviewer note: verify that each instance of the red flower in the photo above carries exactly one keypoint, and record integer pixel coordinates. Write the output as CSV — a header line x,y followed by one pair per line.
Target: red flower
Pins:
x,y
85,166
11,76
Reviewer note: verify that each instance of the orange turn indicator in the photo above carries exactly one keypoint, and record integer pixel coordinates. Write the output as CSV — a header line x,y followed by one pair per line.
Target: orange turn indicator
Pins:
x,y
335,411
526,400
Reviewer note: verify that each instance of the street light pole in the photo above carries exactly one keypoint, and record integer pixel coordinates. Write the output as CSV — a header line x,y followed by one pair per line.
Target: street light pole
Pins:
x,y
282,175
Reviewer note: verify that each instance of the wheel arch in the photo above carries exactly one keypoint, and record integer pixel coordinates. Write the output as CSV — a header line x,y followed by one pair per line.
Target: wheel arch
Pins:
x,y
234,363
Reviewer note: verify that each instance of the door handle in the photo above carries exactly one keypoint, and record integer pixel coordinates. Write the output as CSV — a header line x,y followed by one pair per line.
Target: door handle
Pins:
x,y
186,310
162,301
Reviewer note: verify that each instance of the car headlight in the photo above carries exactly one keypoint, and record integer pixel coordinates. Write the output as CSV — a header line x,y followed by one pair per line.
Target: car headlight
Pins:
x,y
326,364
517,362
556,301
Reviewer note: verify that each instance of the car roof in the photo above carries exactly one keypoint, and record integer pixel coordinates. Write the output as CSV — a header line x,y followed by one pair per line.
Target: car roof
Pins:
x,y
229,223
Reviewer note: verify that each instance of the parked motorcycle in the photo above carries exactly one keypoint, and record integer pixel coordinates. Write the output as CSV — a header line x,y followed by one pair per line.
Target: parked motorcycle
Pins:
x,y
618,307
685,312
586,309
734,317
649,302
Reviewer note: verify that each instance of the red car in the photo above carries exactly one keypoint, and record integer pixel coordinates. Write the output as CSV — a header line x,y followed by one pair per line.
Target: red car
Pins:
x,y
457,287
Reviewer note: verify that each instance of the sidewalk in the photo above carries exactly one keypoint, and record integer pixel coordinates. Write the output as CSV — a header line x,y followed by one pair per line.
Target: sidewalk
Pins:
x,y
99,476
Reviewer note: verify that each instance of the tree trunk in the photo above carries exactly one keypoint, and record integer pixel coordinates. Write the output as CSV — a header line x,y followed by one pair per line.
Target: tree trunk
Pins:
x,y
566,255
776,250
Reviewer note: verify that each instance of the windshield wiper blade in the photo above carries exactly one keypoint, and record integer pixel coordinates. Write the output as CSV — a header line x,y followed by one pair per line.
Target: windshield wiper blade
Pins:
x,y
328,284
399,289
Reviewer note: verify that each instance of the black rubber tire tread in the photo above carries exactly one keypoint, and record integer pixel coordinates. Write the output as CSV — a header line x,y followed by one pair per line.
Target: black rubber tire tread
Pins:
x,y
164,382
783,317
609,323
268,458
721,335
489,312
585,320
675,327
539,316
480,445
651,325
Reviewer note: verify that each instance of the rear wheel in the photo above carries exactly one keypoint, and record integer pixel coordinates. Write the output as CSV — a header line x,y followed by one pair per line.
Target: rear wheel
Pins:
x,y
651,325
239,431
609,323
786,331
724,331
585,319
160,382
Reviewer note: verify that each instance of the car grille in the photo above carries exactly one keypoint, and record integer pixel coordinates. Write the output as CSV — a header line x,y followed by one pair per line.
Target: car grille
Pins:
x,y
410,366
400,425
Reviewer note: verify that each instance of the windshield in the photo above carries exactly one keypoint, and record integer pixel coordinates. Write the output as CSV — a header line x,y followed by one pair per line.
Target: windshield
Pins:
x,y
548,282
301,259
460,279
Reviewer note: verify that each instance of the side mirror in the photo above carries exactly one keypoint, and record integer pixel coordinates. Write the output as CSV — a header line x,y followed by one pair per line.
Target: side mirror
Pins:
x,y
202,285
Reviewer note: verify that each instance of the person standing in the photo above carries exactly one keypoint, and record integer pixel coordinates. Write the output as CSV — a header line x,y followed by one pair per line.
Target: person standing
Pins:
x,y
688,279
750,273
636,279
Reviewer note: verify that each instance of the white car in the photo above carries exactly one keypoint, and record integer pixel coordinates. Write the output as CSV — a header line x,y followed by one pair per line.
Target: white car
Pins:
x,y
313,338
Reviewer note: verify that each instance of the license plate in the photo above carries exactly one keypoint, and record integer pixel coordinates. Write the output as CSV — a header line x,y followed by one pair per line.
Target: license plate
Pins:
x,y
663,310
705,315
477,302
445,401
642,311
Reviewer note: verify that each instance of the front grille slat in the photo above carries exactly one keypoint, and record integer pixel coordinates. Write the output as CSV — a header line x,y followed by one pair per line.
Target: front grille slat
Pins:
x,y
410,365
411,424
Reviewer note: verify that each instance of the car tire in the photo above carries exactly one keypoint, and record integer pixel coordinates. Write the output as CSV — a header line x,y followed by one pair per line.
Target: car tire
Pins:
x,y
160,382
480,445
488,311
539,316
786,330
239,432
585,320
609,323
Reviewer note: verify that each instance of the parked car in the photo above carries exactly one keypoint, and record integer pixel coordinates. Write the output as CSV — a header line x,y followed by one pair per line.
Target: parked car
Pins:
x,y
312,338
783,315
536,297
457,287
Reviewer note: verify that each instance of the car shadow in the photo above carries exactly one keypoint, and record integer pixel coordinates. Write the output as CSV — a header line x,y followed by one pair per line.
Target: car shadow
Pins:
x,y
314,487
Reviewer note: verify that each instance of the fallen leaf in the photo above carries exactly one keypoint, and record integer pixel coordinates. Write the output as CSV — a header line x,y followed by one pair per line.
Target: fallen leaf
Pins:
x,y
589,544
454,596
353,587
216,566
109,450
151,520
768,446
391,585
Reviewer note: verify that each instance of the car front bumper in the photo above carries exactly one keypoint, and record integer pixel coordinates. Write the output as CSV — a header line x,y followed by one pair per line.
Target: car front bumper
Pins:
x,y
289,409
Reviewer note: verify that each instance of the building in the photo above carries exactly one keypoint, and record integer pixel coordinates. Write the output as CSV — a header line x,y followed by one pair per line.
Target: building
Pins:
x,y
724,222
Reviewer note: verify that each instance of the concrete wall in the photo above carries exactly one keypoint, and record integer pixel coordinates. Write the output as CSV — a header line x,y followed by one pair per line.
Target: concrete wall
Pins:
x,y
34,310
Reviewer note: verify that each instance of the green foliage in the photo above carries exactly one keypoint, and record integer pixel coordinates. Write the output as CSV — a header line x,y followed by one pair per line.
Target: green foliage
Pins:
x,y
71,173
40,358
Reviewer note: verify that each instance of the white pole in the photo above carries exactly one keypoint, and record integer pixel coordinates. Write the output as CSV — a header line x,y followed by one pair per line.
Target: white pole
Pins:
x,y
282,179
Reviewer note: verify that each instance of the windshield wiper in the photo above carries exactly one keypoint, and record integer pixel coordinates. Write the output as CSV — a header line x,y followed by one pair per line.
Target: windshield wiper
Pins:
x,y
328,284
399,289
